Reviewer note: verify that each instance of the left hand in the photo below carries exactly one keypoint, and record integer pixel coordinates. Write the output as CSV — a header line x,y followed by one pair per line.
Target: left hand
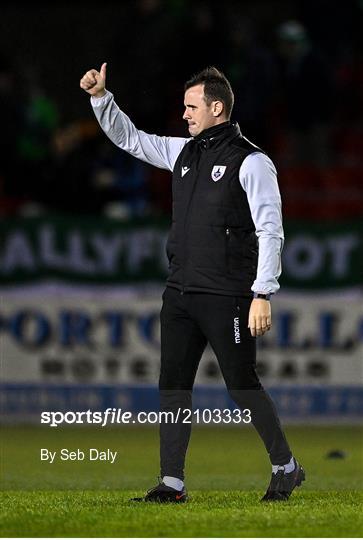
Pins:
x,y
259,319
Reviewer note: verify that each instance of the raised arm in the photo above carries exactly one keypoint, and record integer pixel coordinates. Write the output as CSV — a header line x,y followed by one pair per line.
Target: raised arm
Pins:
x,y
161,152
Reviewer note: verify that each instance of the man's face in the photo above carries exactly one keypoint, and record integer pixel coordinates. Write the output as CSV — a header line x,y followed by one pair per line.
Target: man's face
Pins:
x,y
197,113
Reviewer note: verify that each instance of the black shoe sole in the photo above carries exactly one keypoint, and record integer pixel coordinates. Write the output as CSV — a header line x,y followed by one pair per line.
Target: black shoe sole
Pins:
x,y
159,501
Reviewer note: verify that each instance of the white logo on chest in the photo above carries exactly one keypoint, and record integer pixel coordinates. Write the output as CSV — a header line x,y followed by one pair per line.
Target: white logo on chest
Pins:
x,y
217,172
184,170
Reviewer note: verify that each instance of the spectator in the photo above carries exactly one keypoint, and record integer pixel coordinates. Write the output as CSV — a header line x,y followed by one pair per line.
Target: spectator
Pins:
x,y
307,94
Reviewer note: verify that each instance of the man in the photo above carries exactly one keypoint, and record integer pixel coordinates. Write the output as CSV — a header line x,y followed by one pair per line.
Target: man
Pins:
x,y
224,252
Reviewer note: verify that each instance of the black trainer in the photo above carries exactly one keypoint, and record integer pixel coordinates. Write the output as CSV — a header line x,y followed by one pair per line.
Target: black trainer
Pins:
x,y
282,485
164,494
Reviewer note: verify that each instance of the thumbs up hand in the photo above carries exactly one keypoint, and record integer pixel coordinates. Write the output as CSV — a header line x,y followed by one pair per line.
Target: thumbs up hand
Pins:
x,y
94,82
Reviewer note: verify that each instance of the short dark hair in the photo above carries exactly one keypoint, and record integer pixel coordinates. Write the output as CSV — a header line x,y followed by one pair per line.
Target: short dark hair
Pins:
x,y
216,87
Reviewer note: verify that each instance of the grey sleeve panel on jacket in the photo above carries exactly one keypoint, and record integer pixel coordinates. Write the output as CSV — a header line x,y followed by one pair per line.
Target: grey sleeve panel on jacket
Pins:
x,y
258,178
161,152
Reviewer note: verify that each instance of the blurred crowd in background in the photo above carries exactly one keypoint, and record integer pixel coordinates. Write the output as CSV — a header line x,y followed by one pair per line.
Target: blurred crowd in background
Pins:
x,y
296,69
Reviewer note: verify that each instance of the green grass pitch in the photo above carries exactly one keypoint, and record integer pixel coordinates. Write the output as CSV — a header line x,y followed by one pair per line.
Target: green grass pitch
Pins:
x,y
227,473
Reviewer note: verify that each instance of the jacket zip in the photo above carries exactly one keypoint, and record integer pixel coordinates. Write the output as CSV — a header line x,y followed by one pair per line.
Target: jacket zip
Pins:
x,y
228,235
186,220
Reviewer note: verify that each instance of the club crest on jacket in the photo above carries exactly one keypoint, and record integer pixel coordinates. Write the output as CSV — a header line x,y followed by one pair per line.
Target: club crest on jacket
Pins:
x,y
217,172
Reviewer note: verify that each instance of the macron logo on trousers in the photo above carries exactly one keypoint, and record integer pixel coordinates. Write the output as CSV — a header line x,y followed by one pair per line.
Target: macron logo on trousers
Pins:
x,y
237,336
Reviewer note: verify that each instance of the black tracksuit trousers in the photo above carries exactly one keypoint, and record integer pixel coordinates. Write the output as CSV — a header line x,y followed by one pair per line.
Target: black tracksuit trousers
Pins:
x,y
188,322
